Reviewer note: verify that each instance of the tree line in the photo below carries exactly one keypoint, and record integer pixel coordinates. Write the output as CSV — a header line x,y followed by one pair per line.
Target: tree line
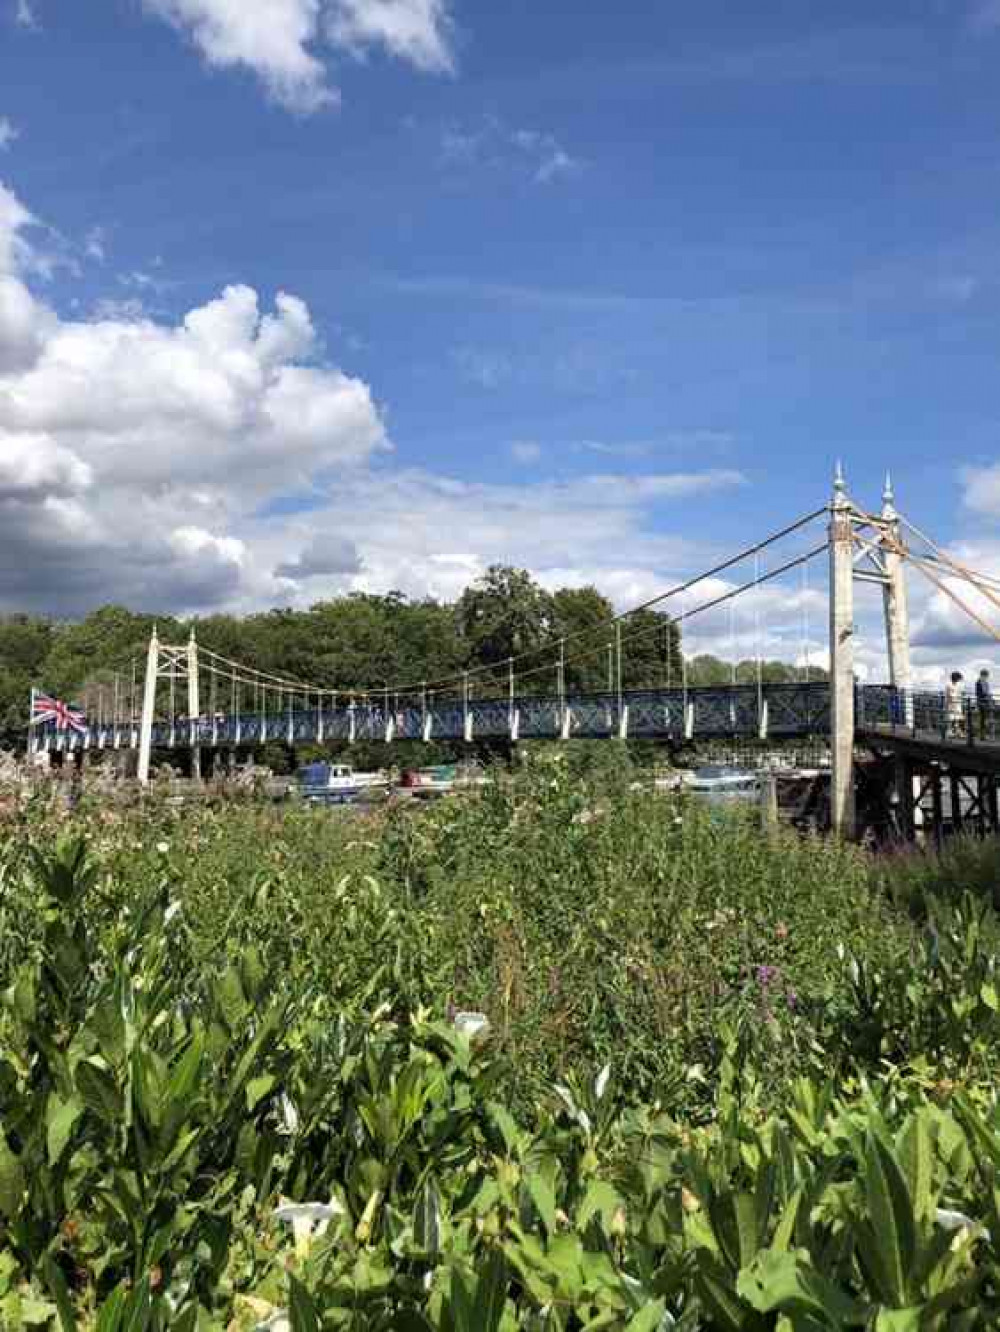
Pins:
x,y
368,641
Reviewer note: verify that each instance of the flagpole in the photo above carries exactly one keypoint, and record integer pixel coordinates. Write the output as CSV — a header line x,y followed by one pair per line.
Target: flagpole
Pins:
x,y
31,724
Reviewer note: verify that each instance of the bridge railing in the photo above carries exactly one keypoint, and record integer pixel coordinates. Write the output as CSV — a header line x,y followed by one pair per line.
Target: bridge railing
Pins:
x,y
768,711
923,713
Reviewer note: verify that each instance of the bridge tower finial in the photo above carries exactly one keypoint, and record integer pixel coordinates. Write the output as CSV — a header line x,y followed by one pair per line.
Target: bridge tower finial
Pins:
x,y
839,483
888,498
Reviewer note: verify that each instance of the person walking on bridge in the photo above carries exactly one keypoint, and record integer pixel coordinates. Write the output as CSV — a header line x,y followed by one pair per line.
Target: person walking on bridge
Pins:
x,y
954,696
984,705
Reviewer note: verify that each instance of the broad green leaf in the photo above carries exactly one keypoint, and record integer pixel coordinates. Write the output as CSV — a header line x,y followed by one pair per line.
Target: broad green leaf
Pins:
x,y
916,1159
61,1118
100,1094
544,1199
427,1218
461,1302
601,1199
11,1180
786,1282
718,1293
491,1292
302,1312
138,1308
230,997
36,1313
22,998
258,1088
507,1125
891,1215
650,1319
58,1289
184,1074
785,1229
899,1320
110,1317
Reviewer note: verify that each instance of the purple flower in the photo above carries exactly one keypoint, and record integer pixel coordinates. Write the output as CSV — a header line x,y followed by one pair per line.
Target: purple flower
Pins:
x,y
765,975
791,998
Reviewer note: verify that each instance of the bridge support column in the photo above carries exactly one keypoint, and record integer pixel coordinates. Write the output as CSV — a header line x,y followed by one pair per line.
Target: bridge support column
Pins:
x,y
937,802
148,709
769,808
842,798
194,707
955,802
897,611
903,782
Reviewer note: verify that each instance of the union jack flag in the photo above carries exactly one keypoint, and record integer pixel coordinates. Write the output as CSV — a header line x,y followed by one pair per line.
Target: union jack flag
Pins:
x,y
44,708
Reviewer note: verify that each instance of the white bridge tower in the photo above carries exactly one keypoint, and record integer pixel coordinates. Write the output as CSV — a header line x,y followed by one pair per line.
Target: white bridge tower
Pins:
x,y
864,548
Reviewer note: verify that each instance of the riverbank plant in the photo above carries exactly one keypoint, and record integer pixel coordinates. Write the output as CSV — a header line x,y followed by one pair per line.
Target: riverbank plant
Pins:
x,y
724,1080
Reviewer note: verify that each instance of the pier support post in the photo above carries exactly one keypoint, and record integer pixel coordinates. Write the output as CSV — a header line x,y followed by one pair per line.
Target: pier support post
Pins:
x,y
148,709
194,707
842,798
903,792
897,611
769,809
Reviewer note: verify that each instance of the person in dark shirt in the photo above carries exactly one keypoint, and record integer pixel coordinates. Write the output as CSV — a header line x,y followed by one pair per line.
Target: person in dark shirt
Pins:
x,y
984,705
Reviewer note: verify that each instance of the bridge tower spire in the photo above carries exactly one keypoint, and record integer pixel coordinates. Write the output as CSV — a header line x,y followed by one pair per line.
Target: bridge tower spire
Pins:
x,y
842,801
897,612
148,707
194,705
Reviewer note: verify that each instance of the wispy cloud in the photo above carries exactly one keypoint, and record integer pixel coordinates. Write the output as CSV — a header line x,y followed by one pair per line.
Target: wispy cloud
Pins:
x,y
9,133
492,144
526,451
981,489
674,441
549,157
985,15
486,369
24,14
95,244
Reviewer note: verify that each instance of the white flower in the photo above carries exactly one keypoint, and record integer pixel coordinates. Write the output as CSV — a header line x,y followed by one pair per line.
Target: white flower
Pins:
x,y
601,1085
958,1221
307,1220
472,1025
163,848
266,1314
289,1117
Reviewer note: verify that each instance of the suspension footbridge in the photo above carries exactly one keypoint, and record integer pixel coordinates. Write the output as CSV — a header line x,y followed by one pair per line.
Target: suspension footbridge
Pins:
x,y
193,699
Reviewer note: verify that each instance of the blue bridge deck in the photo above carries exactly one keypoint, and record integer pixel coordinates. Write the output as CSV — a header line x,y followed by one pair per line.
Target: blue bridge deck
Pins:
x,y
776,711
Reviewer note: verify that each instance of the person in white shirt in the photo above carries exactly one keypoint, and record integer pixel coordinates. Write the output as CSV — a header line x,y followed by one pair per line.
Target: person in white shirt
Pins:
x,y
955,703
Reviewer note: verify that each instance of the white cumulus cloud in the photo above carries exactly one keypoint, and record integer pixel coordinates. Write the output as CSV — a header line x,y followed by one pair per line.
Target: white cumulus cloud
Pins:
x,y
415,30
284,42
115,432
219,460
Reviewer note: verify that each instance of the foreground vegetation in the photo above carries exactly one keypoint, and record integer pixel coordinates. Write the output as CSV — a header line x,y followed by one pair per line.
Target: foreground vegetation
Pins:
x,y
726,1081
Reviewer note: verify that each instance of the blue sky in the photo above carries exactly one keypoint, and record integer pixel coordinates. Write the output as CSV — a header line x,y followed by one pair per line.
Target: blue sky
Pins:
x,y
619,282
